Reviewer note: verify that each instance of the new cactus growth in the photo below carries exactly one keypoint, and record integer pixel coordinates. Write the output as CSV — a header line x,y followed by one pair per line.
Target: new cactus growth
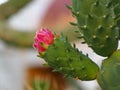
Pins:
x,y
69,61
109,75
97,23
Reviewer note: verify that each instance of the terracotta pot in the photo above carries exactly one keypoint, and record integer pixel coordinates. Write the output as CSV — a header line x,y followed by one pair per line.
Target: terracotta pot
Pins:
x,y
57,81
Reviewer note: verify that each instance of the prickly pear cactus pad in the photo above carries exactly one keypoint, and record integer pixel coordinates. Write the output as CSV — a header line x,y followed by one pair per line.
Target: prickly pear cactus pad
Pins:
x,y
115,4
8,34
16,38
97,22
69,61
62,57
109,75
11,7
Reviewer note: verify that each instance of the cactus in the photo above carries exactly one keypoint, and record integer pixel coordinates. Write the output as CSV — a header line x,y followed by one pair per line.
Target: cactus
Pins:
x,y
7,34
10,36
96,21
109,75
115,4
69,61
11,7
16,38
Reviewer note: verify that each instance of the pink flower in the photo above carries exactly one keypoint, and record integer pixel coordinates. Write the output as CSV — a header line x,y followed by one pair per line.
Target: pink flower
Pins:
x,y
43,39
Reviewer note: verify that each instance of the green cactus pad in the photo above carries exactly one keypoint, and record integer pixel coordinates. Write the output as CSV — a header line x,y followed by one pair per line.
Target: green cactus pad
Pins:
x,y
115,4
16,38
11,7
69,61
109,75
97,23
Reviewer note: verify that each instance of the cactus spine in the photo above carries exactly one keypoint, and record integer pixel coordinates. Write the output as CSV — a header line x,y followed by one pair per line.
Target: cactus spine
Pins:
x,y
109,75
96,21
69,61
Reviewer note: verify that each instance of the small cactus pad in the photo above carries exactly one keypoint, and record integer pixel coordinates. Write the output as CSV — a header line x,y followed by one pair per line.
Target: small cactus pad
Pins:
x,y
69,61
109,75
96,21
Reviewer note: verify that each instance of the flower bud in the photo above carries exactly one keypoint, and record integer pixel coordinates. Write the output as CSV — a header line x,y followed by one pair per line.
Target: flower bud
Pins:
x,y
43,38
